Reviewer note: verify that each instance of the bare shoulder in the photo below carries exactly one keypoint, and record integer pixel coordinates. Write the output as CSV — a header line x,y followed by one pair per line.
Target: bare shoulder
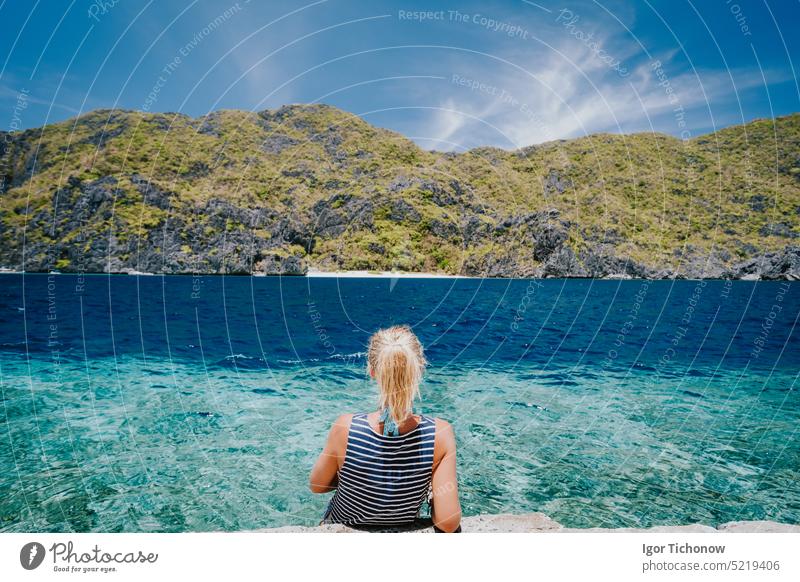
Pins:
x,y
343,420
445,434
443,425
444,441
337,438
341,425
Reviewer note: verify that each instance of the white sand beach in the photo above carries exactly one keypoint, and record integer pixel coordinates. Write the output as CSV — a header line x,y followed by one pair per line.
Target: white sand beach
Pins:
x,y
382,274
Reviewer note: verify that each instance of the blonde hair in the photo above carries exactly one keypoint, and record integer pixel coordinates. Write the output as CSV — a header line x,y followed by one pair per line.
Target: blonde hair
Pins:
x,y
396,359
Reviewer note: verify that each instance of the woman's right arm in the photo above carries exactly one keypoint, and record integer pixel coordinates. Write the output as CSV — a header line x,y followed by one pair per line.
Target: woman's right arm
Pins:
x,y
323,475
445,506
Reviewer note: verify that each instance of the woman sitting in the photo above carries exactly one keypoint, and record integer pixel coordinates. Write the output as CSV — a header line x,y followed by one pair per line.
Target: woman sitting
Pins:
x,y
385,464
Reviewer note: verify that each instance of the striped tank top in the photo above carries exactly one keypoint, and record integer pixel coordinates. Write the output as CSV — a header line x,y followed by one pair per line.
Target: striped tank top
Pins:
x,y
384,479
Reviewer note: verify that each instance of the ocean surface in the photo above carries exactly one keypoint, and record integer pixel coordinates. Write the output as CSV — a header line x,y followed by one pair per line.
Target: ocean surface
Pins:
x,y
180,403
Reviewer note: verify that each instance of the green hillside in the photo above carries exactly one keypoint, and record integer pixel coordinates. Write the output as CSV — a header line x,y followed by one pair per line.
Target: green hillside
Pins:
x,y
310,186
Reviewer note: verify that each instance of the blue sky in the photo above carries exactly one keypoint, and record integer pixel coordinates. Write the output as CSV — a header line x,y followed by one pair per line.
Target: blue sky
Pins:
x,y
448,75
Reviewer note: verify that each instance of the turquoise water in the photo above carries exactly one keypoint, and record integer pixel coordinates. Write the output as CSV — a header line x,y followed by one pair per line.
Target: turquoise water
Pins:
x,y
196,404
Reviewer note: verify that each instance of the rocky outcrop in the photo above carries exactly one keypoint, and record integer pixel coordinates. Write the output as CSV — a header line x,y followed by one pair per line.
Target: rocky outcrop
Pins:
x,y
781,265
275,264
554,184
601,261
540,523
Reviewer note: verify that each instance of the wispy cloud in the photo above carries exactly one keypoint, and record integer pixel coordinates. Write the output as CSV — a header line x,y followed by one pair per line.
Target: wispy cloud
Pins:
x,y
8,92
562,89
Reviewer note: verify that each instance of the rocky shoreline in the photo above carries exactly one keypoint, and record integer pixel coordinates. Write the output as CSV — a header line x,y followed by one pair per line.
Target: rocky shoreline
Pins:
x,y
544,236
562,264
540,523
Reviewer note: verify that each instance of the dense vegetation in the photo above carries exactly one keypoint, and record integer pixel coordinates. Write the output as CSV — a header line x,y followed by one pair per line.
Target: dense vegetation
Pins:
x,y
310,186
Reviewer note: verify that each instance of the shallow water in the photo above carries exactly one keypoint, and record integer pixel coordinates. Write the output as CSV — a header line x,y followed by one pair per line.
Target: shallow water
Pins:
x,y
200,403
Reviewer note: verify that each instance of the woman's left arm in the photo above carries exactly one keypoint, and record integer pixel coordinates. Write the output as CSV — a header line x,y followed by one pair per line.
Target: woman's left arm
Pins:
x,y
323,475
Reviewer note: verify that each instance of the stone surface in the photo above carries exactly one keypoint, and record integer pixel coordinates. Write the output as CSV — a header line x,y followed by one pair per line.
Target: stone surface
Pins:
x,y
540,523
758,527
505,522
692,528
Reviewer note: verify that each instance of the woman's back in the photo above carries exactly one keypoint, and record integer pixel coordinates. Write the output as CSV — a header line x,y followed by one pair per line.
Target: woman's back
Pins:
x,y
384,465
384,479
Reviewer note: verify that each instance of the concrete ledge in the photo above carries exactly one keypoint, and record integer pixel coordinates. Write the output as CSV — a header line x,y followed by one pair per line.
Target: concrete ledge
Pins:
x,y
539,522
758,527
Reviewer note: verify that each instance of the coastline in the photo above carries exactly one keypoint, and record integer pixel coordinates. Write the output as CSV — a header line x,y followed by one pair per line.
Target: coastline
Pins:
x,y
313,273
396,275
541,523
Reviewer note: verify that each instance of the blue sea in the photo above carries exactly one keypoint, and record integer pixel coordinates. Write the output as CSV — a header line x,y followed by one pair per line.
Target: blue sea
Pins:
x,y
181,403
